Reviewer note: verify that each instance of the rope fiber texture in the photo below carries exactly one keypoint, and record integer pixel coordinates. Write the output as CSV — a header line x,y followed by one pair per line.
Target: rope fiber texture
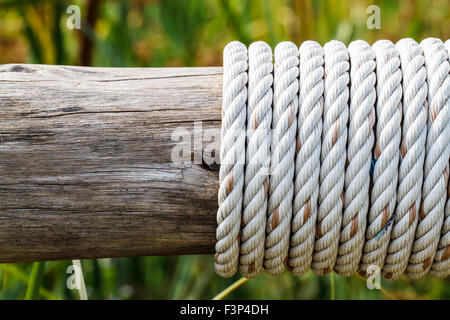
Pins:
x,y
386,154
281,183
333,153
437,150
359,156
307,160
441,265
232,155
259,118
412,155
335,158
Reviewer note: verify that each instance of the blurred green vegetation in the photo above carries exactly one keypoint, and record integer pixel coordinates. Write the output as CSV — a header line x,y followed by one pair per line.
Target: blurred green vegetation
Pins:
x,y
162,33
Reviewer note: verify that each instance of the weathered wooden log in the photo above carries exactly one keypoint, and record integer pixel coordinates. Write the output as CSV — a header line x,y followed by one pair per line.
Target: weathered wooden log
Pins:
x,y
86,161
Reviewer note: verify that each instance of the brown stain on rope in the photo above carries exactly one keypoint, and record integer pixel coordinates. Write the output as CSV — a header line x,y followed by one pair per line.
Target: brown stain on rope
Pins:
x,y
254,119
266,186
335,133
446,254
422,214
307,210
377,149
433,110
275,219
412,214
446,175
229,182
251,267
426,263
319,233
403,148
354,226
386,216
291,115
299,143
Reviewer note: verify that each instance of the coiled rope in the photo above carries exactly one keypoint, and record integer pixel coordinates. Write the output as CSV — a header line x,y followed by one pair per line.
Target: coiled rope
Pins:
x,y
359,157
346,159
334,138
441,264
259,118
437,148
385,156
412,155
307,161
232,155
281,182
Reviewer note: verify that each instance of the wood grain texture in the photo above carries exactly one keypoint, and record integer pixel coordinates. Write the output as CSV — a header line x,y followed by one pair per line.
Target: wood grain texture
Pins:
x,y
85,162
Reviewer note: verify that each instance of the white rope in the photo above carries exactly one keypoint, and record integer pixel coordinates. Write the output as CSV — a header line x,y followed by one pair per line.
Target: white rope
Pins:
x,y
437,150
281,185
374,199
232,157
410,172
441,265
307,163
334,140
359,156
259,119
386,154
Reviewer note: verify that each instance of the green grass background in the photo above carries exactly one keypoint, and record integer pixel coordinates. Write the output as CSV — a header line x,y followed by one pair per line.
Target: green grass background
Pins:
x,y
193,33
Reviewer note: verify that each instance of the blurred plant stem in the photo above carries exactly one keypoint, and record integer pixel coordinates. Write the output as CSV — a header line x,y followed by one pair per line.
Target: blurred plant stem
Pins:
x,y
304,10
332,286
35,280
58,9
230,289
35,46
268,16
234,23
204,277
384,291
21,276
80,279
182,276
86,46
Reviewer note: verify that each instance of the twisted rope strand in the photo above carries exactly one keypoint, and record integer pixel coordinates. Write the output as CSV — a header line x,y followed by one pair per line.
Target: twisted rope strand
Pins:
x,y
232,156
334,140
281,184
441,266
410,172
259,119
386,154
307,163
437,151
359,156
